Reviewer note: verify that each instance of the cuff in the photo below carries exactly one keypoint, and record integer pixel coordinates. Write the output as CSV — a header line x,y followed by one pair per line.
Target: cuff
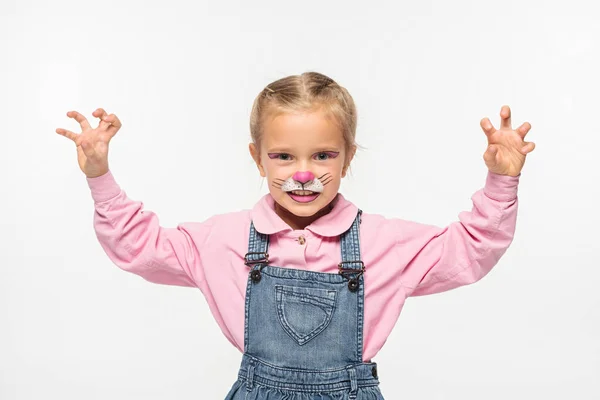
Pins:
x,y
501,187
103,187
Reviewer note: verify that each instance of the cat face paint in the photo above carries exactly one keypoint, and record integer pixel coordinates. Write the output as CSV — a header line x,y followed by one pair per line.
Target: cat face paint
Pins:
x,y
304,187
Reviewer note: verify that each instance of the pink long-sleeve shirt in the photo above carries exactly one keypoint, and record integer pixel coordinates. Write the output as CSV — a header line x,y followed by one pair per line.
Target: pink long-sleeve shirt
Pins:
x,y
402,258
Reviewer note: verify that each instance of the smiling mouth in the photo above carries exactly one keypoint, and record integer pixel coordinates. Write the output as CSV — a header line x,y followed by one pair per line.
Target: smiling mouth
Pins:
x,y
303,192
303,196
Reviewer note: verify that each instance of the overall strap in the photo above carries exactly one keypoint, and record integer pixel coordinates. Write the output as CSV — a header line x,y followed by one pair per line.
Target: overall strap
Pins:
x,y
353,268
258,245
351,259
350,245
257,256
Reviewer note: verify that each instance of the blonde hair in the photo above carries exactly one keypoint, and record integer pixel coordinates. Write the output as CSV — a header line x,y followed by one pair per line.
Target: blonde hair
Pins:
x,y
307,92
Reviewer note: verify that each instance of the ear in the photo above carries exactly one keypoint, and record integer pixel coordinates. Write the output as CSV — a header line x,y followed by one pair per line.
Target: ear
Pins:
x,y
255,153
349,158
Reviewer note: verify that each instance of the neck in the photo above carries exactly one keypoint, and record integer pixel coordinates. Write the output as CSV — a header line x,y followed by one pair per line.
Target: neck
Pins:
x,y
299,223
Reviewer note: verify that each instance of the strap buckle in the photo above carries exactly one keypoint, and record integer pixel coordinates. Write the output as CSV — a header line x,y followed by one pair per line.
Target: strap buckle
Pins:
x,y
343,271
263,260
352,282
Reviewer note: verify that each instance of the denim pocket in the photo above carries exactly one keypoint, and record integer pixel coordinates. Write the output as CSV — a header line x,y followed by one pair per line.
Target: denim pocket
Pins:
x,y
304,312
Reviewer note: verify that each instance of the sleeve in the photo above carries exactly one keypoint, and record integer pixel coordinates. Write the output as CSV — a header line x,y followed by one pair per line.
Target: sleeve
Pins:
x,y
439,259
134,240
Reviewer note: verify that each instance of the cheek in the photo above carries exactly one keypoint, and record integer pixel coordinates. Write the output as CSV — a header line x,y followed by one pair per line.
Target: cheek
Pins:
x,y
336,170
276,174
335,174
332,171
279,172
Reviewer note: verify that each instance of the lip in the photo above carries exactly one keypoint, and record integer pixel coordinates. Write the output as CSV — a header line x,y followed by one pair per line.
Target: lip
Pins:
x,y
303,199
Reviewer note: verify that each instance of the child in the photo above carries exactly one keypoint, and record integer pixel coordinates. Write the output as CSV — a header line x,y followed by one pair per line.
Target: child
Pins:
x,y
305,285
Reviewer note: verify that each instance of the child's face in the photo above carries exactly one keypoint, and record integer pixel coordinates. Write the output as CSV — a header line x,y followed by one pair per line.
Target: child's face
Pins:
x,y
303,157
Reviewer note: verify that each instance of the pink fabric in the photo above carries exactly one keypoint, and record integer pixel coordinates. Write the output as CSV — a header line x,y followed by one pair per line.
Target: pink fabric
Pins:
x,y
402,258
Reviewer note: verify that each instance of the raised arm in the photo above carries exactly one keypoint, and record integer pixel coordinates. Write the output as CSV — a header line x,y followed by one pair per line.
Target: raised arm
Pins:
x,y
437,259
136,242
132,237
466,250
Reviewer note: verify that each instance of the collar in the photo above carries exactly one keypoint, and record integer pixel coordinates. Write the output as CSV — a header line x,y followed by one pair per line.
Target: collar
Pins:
x,y
332,224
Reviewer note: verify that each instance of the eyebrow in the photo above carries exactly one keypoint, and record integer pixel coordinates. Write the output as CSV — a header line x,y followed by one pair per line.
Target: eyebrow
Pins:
x,y
332,149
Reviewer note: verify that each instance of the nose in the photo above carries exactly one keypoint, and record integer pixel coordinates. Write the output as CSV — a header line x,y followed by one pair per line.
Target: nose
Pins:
x,y
303,177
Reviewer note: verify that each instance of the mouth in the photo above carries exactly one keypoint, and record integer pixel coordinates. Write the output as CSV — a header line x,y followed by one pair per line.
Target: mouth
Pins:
x,y
303,196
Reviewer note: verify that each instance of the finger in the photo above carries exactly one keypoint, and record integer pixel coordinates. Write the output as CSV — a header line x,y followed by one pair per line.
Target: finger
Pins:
x,y
115,124
68,134
487,126
528,148
523,129
100,113
83,122
505,118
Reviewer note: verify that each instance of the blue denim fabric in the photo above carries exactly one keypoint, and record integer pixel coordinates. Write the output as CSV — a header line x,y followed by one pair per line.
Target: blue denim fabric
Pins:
x,y
303,334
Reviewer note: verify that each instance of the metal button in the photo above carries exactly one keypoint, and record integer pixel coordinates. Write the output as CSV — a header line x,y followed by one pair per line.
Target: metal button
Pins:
x,y
301,240
353,284
255,275
374,371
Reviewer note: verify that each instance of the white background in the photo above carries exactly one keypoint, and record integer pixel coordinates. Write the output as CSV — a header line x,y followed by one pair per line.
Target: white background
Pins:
x,y
182,75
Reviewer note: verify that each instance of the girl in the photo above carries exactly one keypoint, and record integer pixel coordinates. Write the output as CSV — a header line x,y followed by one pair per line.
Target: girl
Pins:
x,y
305,285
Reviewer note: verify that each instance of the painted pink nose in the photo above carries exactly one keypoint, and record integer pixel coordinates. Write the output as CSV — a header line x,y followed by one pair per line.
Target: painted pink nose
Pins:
x,y
303,177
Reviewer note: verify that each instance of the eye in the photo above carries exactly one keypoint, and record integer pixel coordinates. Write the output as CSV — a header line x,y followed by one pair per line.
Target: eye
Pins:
x,y
280,156
325,155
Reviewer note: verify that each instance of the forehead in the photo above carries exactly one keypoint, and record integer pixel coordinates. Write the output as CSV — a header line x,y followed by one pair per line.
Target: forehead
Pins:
x,y
300,129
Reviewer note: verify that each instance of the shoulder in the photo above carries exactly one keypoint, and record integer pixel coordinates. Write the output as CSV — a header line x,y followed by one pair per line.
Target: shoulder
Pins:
x,y
379,221
377,224
233,218
225,227
380,227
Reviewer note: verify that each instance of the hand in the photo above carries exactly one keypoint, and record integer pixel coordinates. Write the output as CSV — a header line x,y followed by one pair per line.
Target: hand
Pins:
x,y
506,150
92,143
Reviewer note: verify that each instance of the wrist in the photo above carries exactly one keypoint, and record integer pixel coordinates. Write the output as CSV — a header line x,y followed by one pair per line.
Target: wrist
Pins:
x,y
97,172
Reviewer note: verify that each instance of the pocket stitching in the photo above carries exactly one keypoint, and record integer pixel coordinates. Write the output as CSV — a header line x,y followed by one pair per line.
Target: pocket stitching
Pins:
x,y
311,298
327,308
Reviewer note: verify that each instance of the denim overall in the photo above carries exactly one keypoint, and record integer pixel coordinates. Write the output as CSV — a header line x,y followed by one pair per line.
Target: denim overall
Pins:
x,y
303,334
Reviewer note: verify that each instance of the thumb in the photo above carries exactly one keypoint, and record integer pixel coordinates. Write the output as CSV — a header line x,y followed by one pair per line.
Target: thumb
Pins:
x,y
490,154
